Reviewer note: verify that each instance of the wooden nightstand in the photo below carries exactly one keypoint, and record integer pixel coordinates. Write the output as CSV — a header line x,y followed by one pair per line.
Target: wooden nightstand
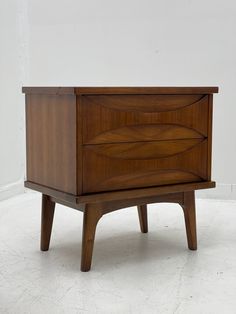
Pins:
x,y
106,148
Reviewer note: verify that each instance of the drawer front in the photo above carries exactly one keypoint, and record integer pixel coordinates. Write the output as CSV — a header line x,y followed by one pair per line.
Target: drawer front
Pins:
x,y
108,167
132,118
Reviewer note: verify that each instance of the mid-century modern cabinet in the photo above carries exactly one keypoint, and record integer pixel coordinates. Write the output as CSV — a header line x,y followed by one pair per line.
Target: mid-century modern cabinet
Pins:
x,y
100,149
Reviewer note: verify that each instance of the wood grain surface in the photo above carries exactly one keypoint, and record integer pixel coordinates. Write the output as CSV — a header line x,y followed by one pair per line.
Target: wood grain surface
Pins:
x,y
51,141
104,123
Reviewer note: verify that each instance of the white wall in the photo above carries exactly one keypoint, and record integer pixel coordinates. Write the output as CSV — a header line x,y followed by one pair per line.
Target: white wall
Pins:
x,y
129,42
13,73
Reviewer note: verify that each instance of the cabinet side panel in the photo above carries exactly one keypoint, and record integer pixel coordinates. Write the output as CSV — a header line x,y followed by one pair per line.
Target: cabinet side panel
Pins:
x,y
51,141
209,150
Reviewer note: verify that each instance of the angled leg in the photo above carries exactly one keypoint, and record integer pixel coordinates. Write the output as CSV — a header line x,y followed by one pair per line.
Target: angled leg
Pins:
x,y
190,219
143,220
47,215
91,218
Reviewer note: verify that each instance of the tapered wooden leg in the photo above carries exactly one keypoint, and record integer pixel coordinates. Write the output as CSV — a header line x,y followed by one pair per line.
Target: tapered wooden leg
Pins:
x,y
143,220
47,215
91,218
190,219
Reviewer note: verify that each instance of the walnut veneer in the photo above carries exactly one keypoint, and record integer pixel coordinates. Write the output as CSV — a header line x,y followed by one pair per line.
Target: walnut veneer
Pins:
x,y
99,149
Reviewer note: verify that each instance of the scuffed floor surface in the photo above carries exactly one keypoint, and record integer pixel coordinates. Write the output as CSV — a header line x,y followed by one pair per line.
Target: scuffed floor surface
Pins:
x,y
131,272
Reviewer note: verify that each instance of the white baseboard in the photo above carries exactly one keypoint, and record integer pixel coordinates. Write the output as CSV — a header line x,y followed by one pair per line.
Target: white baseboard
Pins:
x,y
11,189
221,191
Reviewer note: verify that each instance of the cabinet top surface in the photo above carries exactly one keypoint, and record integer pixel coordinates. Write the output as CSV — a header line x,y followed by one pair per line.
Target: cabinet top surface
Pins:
x,y
119,90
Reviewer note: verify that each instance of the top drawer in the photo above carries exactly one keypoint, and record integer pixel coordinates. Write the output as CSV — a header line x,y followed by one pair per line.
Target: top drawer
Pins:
x,y
133,118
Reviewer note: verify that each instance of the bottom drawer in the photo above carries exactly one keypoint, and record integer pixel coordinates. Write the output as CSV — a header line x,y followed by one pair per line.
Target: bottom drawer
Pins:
x,y
120,166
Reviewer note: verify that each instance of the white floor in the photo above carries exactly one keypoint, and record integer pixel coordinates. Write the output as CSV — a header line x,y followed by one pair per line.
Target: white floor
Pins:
x,y
131,272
